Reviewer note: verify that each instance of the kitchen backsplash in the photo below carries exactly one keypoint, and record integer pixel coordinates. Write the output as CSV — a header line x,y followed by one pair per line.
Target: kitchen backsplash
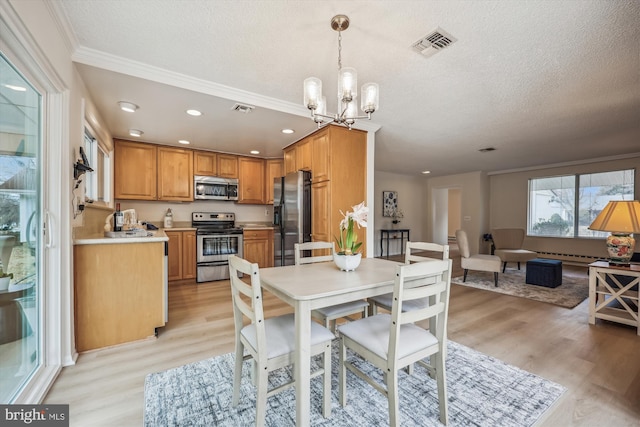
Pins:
x,y
154,211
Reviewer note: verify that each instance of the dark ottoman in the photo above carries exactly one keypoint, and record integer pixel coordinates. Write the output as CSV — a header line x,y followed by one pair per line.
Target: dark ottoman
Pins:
x,y
544,272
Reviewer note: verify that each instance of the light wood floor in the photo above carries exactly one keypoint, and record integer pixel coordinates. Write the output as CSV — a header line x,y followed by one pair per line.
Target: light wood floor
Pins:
x,y
599,364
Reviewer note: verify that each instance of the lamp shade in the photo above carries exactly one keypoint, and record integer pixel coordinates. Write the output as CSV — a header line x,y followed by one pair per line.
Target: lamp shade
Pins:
x,y
619,217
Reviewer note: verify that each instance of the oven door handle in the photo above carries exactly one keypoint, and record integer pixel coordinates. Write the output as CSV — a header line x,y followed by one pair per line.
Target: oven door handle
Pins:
x,y
213,263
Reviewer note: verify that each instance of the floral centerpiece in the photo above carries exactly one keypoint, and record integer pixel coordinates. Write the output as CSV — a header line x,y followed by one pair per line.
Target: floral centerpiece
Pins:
x,y
348,256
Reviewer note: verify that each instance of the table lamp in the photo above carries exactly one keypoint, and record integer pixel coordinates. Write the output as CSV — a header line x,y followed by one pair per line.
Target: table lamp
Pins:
x,y
621,218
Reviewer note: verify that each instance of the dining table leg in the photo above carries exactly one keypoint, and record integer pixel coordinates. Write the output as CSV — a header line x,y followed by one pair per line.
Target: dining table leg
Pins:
x,y
302,368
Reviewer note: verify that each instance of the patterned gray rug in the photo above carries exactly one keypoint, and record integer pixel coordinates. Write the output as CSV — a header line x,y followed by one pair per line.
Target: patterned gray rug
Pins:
x,y
570,293
482,391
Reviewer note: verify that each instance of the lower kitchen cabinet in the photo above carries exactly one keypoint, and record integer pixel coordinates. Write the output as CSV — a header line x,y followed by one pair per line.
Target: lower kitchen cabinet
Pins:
x,y
119,293
258,246
182,255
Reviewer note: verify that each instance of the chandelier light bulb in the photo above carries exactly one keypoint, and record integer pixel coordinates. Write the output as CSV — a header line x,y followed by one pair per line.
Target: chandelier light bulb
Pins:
x,y
347,84
312,92
369,93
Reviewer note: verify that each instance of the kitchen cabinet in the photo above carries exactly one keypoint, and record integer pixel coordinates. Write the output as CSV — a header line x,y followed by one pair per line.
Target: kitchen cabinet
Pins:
x,y
205,163
290,159
303,155
151,172
135,170
227,166
182,255
119,293
274,169
175,174
251,180
258,246
339,177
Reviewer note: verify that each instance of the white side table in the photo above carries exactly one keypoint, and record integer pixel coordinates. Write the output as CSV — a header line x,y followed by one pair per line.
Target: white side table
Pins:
x,y
603,294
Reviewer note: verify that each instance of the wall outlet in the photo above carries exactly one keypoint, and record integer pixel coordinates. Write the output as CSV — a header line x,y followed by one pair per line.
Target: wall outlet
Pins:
x,y
266,212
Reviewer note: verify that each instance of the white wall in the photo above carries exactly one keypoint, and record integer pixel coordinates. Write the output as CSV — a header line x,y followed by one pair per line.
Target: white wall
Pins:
x,y
509,201
474,206
410,199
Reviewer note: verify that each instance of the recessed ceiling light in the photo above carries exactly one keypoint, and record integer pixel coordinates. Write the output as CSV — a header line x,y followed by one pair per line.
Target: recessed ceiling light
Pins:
x,y
127,106
135,132
254,152
426,172
287,130
16,88
194,113
184,141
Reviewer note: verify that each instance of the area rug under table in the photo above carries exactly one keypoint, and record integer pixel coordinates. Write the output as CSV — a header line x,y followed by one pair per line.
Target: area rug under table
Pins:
x,y
569,294
482,391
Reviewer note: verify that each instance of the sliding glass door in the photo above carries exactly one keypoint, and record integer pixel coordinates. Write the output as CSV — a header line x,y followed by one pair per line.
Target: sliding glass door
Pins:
x,y
20,231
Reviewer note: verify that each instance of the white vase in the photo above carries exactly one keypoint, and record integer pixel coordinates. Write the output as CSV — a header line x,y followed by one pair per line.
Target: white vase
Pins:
x,y
4,283
347,262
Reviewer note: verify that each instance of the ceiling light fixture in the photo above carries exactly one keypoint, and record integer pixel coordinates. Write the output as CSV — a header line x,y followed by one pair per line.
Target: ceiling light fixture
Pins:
x,y
127,106
287,131
426,172
254,152
184,141
135,132
194,113
347,90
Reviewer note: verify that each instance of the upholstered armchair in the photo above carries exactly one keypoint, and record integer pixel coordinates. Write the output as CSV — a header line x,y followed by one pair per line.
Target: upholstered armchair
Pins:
x,y
508,243
478,262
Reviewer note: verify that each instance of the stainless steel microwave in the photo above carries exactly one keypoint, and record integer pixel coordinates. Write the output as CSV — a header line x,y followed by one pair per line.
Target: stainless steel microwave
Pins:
x,y
214,188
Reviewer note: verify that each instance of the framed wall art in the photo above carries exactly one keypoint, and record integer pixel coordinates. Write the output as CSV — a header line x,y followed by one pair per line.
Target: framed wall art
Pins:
x,y
389,202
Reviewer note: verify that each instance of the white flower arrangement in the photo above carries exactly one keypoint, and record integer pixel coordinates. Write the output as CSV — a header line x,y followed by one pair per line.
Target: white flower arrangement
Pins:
x,y
348,240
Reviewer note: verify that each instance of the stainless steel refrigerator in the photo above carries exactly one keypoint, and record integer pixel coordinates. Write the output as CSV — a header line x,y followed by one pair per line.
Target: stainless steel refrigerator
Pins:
x,y
291,215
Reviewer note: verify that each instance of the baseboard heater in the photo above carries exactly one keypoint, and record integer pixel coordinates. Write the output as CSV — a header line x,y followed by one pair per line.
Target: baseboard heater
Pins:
x,y
569,258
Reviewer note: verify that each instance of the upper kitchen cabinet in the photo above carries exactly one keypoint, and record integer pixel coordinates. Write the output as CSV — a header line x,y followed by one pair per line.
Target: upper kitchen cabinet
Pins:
x,y
205,163
303,155
175,174
135,168
251,180
152,172
274,170
227,166
290,159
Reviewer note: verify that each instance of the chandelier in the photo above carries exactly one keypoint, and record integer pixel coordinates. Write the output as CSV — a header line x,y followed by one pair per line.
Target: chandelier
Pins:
x,y
347,90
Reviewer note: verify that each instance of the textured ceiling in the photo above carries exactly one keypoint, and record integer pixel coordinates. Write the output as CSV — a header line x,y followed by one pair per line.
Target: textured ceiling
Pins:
x,y
543,82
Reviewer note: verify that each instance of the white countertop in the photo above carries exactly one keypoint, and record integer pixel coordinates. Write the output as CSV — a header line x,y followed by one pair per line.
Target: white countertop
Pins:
x,y
99,239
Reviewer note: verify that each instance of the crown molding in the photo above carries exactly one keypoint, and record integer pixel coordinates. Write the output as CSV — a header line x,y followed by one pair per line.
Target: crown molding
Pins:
x,y
565,164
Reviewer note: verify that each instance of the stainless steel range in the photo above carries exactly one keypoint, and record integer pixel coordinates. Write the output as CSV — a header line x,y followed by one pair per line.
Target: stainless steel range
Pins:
x,y
217,238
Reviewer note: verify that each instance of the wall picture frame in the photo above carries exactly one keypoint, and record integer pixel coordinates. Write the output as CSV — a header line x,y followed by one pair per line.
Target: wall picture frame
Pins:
x,y
389,202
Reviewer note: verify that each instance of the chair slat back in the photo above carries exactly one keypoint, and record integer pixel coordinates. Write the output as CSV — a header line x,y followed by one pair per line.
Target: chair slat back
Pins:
x,y
421,280
299,249
252,292
413,247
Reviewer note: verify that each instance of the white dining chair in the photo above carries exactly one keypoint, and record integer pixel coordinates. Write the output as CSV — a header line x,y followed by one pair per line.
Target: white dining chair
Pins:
x,y
385,301
394,341
269,342
327,315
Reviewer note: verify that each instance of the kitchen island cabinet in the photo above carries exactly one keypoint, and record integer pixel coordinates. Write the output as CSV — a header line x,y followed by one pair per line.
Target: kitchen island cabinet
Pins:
x,y
182,254
119,288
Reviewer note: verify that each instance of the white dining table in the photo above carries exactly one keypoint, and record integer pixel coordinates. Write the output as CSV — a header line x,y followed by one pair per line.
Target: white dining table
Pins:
x,y
310,286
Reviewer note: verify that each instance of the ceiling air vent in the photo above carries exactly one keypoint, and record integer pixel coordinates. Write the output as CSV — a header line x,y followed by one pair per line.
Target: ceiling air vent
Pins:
x,y
243,108
433,42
